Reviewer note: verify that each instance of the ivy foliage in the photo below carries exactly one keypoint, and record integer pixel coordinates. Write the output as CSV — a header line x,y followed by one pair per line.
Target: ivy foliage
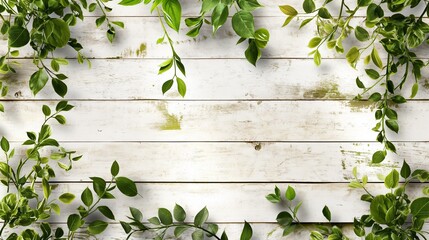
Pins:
x,y
386,27
393,215
26,204
176,222
214,13
44,26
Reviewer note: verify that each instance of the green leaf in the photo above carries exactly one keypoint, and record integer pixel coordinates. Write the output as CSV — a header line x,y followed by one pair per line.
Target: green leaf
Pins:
x,y
99,185
352,56
247,232
201,217
167,86
172,13
97,227
378,156
392,179
414,90
57,32
252,53
178,231
290,193
375,97
398,99
420,208
114,169
284,218
209,5
59,87
179,213
273,198
249,5
372,73
18,36
361,34
5,146
324,13
126,186
198,235
165,216
181,86
376,58
38,80
219,16
359,83
126,226
309,6
46,110
74,222
136,214
405,170
129,2
317,58
326,213
66,198
314,42
243,24
288,10
87,197
392,125
262,36
106,212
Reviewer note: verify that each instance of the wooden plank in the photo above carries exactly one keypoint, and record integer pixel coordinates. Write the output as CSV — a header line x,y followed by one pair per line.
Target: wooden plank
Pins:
x,y
261,231
287,42
237,162
192,8
244,201
216,121
231,79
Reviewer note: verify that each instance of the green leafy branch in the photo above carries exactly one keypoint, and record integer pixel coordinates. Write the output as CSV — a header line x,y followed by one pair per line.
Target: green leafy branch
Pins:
x,y
176,221
398,35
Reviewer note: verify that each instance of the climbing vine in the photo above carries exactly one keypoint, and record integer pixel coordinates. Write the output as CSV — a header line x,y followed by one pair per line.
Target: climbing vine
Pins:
x,y
396,33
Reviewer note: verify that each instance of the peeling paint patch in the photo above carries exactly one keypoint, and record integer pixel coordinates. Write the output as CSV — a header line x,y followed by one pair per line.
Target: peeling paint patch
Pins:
x,y
327,90
172,122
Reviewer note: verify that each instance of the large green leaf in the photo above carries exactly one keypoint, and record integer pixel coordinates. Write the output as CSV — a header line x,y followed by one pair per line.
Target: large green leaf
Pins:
x,y
38,80
420,207
57,32
172,13
18,36
243,24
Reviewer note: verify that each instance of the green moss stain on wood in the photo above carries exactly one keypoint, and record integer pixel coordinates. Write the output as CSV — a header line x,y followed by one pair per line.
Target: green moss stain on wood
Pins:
x,y
141,51
327,90
172,122
360,106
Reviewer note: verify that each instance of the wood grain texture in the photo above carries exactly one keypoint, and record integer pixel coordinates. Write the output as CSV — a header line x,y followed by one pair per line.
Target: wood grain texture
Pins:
x,y
237,161
287,42
207,79
234,202
215,121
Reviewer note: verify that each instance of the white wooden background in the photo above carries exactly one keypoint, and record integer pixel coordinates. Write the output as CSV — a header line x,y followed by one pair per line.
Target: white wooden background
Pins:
x,y
238,132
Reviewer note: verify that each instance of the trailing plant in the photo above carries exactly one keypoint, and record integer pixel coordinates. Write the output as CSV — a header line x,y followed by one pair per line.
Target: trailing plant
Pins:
x,y
393,215
170,14
176,222
399,36
44,26
26,204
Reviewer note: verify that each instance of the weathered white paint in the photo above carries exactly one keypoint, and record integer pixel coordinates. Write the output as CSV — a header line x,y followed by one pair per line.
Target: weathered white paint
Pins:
x,y
216,121
242,129
236,161
282,79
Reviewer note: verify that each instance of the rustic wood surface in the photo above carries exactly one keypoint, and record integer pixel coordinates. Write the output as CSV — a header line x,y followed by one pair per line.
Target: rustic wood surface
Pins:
x,y
239,131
